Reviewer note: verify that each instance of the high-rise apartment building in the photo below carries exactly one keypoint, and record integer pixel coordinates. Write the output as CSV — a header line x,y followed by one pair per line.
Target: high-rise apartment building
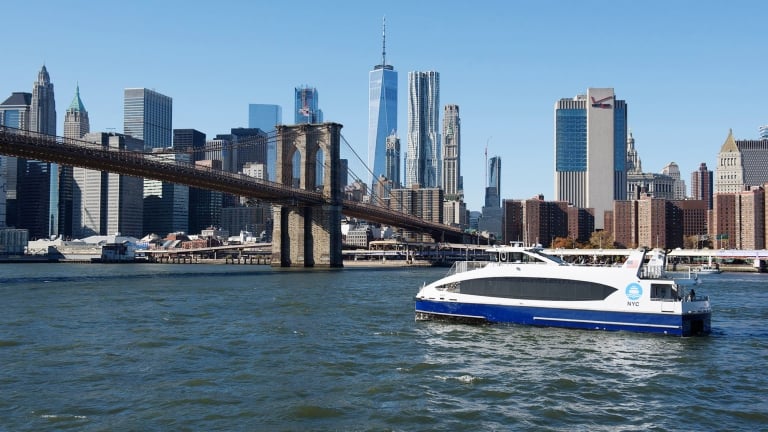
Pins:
x,y
76,125
306,106
590,151
382,113
741,164
452,182
108,203
424,203
14,113
702,185
534,221
423,159
148,116
266,117
739,219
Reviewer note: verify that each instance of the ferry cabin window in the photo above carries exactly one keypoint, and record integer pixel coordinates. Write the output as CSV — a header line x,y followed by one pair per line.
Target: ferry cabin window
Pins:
x,y
663,292
536,289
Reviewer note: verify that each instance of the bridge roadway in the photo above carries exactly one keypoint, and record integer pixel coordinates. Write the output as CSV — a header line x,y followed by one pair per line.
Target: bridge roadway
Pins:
x,y
79,153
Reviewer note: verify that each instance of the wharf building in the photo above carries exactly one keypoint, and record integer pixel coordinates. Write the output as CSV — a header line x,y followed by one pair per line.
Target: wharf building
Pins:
x,y
76,125
266,117
107,203
590,155
423,159
382,117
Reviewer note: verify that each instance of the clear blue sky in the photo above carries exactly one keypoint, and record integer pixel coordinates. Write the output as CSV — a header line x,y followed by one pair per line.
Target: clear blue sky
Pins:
x,y
689,70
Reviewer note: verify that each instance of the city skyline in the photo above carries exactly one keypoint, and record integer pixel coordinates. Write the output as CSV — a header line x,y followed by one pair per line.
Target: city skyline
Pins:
x,y
681,71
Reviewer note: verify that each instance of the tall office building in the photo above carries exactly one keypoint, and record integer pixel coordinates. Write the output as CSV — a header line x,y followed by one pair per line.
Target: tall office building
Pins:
x,y
492,211
678,184
38,180
423,158
108,203
741,164
266,117
493,189
148,116
702,185
14,113
76,125
382,112
76,121
392,161
452,182
306,106
590,151
190,141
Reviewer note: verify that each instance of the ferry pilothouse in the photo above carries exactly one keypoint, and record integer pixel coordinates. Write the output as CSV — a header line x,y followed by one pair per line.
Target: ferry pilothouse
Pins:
x,y
523,285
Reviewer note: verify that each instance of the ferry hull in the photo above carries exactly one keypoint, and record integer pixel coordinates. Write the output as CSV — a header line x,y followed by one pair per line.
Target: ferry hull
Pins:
x,y
663,323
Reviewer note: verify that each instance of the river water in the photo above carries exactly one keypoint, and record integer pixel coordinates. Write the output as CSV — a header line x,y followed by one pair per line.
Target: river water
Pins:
x,y
91,347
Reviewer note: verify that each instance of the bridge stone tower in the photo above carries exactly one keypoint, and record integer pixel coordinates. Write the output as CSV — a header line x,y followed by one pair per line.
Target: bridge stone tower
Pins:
x,y
304,235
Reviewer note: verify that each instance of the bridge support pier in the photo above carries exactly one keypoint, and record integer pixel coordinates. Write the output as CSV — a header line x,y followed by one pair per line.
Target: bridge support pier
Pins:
x,y
309,235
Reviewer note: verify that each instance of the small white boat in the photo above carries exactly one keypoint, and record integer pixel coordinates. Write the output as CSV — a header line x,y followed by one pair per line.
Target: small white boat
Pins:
x,y
706,269
522,285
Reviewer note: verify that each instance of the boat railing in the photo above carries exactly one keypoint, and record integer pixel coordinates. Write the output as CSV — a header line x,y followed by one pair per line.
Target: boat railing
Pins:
x,y
463,266
652,272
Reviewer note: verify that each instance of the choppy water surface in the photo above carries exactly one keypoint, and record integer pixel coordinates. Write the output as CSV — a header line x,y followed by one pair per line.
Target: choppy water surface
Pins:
x,y
196,347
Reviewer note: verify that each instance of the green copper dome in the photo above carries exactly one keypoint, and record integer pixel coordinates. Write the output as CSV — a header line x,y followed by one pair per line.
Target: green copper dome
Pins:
x,y
77,103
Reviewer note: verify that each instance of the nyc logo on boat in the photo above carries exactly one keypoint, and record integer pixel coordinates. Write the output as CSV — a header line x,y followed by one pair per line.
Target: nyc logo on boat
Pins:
x,y
634,291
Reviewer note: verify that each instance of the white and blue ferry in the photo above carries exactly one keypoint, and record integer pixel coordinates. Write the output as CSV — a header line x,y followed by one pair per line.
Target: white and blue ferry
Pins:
x,y
523,285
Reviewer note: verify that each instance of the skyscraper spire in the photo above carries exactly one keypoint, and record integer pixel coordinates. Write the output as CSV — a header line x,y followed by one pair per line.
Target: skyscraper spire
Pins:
x,y
384,41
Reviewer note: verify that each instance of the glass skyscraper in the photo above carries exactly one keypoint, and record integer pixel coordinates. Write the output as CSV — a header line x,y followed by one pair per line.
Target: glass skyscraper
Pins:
x,y
423,159
382,114
590,151
266,117
493,190
148,116
14,113
307,110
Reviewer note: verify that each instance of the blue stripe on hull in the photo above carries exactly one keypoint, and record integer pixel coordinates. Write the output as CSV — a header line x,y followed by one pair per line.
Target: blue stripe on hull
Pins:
x,y
664,323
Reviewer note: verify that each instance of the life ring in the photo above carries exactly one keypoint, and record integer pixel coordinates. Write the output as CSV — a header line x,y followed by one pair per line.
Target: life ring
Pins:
x,y
503,257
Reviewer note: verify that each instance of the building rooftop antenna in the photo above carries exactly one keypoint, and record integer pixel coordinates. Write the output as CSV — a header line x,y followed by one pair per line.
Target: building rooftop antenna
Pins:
x,y
384,41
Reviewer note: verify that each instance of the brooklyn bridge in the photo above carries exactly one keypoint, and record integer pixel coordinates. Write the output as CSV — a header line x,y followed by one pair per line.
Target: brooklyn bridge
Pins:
x,y
306,219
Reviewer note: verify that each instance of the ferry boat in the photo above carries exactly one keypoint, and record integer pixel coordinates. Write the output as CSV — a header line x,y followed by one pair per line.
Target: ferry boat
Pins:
x,y
523,285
